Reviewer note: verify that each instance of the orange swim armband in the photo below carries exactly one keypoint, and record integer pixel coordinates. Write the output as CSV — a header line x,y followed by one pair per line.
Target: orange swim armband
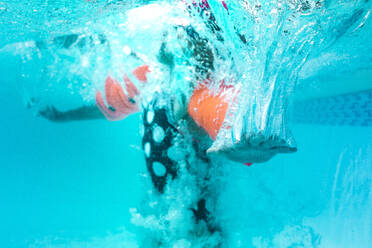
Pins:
x,y
209,106
208,109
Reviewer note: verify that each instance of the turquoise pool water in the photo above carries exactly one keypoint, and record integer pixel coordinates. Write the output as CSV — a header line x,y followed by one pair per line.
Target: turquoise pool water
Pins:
x,y
77,184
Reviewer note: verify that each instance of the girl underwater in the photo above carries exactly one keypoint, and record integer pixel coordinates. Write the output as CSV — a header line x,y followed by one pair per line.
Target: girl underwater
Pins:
x,y
180,130
177,131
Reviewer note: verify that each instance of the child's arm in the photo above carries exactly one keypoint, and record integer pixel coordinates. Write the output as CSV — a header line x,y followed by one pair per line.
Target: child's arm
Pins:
x,y
89,112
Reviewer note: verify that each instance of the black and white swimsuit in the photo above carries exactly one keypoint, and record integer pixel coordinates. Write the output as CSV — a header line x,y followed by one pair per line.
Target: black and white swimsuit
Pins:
x,y
159,137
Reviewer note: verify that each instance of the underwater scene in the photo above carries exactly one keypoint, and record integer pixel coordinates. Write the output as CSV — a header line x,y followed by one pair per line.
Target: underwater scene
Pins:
x,y
186,123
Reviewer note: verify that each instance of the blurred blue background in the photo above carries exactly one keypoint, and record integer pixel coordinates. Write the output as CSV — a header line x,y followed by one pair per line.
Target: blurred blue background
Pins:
x,y
73,180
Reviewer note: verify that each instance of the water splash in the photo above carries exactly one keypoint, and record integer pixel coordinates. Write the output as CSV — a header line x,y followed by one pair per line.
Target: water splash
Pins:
x,y
279,38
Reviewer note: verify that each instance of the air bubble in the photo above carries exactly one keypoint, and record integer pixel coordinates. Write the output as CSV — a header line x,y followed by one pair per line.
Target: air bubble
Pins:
x,y
127,50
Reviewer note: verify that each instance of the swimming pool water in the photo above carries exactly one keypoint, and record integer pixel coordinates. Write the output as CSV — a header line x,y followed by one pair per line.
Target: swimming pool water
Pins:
x,y
73,184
